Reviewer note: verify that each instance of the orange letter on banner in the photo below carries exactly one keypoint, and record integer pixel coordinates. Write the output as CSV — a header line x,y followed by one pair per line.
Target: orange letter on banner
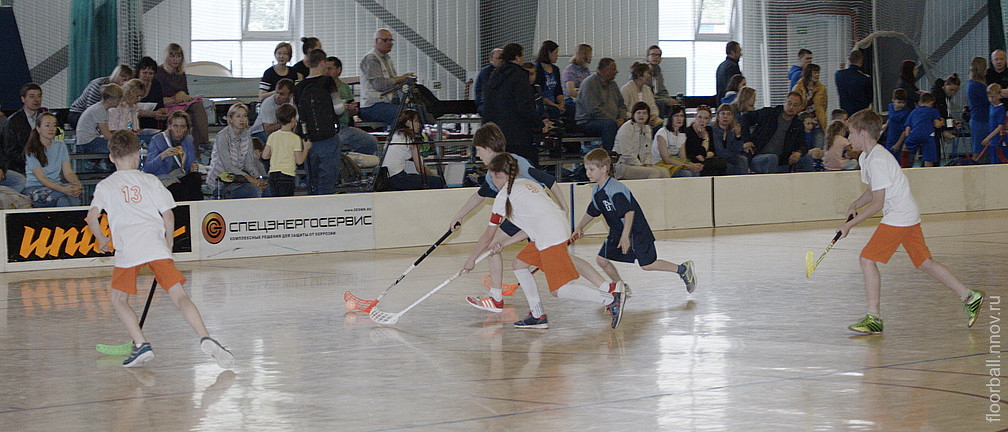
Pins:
x,y
72,243
38,245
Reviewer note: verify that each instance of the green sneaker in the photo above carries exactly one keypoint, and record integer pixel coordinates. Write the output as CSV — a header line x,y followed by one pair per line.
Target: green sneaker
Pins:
x,y
867,325
973,307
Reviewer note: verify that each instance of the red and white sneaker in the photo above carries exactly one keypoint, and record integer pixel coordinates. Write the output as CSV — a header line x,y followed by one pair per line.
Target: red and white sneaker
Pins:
x,y
486,303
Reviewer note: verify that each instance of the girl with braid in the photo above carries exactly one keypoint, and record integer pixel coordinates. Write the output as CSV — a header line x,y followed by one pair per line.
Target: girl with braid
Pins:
x,y
525,203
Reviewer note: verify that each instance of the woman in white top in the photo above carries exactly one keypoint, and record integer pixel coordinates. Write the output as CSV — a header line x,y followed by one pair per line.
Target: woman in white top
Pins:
x,y
633,143
669,147
403,160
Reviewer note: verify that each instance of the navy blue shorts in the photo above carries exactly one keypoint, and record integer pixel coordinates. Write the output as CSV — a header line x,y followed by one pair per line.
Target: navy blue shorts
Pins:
x,y
643,252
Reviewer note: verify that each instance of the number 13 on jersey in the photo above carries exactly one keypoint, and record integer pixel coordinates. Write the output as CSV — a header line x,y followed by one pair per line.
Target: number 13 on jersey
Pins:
x,y
131,194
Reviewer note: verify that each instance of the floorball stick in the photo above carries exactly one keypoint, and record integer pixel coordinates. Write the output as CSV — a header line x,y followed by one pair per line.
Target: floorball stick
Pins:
x,y
125,348
386,318
810,266
354,302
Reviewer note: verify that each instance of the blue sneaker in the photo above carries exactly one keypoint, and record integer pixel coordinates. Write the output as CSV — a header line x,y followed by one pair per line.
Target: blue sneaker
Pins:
x,y
139,356
616,308
531,322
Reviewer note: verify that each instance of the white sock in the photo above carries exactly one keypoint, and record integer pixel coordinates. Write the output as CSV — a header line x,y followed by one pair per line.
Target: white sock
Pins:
x,y
575,291
531,290
497,294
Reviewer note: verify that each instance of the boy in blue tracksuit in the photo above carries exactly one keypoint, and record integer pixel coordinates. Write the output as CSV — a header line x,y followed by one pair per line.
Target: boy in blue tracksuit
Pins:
x,y
896,124
630,238
920,130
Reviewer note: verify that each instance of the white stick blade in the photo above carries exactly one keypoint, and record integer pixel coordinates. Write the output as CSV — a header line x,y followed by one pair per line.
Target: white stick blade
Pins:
x,y
382,317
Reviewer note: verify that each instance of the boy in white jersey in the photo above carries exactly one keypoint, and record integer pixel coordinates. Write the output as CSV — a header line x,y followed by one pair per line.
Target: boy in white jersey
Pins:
x,y
142,224
525,203
889,191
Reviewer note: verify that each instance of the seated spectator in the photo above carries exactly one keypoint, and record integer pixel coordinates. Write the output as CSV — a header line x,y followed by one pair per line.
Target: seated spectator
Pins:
x,y
837,146
152,108
537,91
125,115
575,72
51,181
15,135
698,144
662,98
92,92
669,147
93,130
510,103
403,160
266,122
171,156
726,134
809,124
484,74
775,138
378,77
795,73
638,90
172,78
736,83
633,143
814,98
600,107
838,114
351,138
267,85
745,101
232,161
308,44
284,150
549,80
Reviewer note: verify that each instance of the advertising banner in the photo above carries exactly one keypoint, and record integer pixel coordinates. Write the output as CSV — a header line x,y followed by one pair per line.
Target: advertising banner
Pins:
x,y
284,226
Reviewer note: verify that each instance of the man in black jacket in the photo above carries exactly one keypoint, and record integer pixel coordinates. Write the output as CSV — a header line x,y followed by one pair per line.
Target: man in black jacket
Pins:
x,y
776,142
15,136
728,68
509,101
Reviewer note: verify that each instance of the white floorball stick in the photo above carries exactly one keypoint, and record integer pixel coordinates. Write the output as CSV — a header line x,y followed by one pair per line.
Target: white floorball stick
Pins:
x,y
386,318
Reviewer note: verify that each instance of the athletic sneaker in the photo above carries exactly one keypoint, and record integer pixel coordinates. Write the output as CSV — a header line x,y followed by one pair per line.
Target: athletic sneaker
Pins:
x,y
139,356
214,349
973,307
486,303
531,322
688,277
867,325
616,308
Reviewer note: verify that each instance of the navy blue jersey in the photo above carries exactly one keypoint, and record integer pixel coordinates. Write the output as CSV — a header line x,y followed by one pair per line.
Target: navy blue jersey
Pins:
x,y
525,171
612,202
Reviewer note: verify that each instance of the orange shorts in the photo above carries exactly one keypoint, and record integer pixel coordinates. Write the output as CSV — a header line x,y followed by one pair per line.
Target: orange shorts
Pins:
x,y
887,238
554,262
124,279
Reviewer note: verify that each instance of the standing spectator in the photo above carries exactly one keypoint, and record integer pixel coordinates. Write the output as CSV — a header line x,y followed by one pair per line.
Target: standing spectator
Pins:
x,y
172,78
15,135
976,96
93,130
669,147
351,138
378,76
638,90
171,157
728,68
853,85
908,81
266,122
307,45
406,168
736,83
998,73
484,74
633,143
726,139
92,92
600,107
795,73
662,98
285,150
895,125
51,181
152,108
920,129
698,144
231,159
282,53
313,99
943,92
510,103
775,137
575,73
996,123
814,98
548,78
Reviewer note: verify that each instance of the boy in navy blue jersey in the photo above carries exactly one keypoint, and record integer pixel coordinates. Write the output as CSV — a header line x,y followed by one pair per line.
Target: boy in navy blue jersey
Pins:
x,y
897,122
630,238
920,130
489,142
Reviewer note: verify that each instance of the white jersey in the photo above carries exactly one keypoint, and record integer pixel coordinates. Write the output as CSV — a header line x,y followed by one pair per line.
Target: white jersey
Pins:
x,y
672,143
879,170
134,201
534,212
